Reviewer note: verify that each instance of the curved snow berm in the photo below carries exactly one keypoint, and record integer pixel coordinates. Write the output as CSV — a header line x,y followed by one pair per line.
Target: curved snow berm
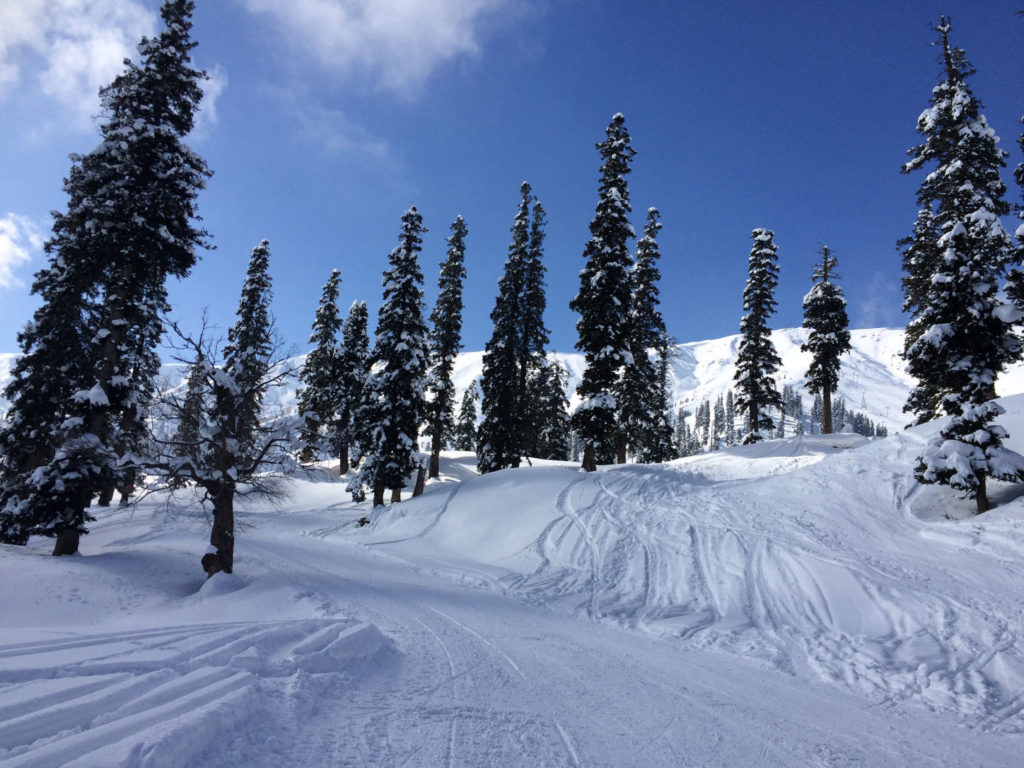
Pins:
x,y
819,556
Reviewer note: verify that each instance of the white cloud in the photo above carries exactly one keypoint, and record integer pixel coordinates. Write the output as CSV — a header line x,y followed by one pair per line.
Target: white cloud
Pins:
x,y
20,239
330,130
212,89
397,43
69,48
880,305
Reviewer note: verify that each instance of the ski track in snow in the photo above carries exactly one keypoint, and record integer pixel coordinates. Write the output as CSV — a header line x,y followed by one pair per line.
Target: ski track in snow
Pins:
x,y
710,563
155,697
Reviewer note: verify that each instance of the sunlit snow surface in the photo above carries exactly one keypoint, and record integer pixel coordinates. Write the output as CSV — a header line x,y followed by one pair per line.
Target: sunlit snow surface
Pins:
x,y
798,603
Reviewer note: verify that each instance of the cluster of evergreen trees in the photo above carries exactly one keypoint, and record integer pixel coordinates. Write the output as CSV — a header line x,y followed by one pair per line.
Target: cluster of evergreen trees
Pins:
x,y
79,428
963,285
79,394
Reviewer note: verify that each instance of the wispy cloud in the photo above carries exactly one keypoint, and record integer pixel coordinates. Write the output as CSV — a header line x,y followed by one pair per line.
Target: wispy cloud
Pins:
x,y
330,130
20,240
397,44
212,89
69,48
880,304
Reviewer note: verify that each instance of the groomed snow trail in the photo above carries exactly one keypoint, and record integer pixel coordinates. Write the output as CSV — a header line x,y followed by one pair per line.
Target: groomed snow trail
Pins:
x,y
475,677
798,604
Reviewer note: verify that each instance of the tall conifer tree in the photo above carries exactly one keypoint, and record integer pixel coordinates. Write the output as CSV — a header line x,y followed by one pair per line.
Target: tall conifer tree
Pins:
x,y
757,360
355,368
502,409
395,390
319,399
536,403
129,224
603,301
829,333
549,427
233,449
1015,287
641,391
445,343
962,327
465,426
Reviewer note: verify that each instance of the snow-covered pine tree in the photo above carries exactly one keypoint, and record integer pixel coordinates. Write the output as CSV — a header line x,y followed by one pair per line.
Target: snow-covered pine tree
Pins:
x,y
640,393
757,360
396,386
355,368
817,415
319,399
963,327
445,343
603,301
234,449
681,436
840,415
549,410
718,421
828,336
191,414
54,360
129,224
730,418
702,424
532,355
921,260
249,347
658,444
236,445
1015,283
464,438
502,409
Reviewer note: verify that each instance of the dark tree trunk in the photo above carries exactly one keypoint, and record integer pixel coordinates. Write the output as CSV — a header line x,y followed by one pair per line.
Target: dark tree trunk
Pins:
x,y
106,494
981,496
343,461
67,539
420,483
378,494
620,448
826,408
435,453
222,535
396,495
589,462
66,542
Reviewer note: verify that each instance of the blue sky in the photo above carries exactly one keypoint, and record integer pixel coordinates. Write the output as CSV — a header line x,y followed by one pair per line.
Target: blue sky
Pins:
x,y
324,124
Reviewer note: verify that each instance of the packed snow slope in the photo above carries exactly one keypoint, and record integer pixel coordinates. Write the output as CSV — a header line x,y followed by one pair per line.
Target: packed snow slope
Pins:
x,y
798,603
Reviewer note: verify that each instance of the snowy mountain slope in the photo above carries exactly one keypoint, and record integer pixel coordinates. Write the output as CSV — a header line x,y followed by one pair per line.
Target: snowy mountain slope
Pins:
x,y
872,378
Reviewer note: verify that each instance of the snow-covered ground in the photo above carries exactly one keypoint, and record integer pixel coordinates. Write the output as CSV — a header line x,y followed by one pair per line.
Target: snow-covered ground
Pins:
x,y
799,603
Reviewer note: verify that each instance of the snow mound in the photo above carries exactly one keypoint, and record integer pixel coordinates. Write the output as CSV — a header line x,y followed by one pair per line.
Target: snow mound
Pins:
x,y
816,556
